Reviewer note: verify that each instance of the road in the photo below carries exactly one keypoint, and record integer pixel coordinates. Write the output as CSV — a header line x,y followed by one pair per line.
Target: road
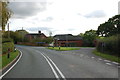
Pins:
x,y
39,62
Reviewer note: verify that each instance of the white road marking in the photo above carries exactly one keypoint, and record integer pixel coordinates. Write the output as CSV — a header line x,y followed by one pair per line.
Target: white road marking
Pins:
x,y
99,59
115,63
118,66
11,66
108,63
92,57
57,69
55,73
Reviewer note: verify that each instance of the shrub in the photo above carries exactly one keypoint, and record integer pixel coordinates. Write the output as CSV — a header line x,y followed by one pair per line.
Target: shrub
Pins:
x,y
109,45
6,40
7,44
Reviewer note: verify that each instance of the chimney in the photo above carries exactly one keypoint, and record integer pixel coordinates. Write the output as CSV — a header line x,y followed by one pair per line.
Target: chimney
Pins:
x,y
39,32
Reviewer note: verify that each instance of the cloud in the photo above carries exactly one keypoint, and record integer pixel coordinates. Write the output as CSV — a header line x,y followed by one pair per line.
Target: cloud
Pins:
x,y
26,9
48,19
39,28
96,14
71,29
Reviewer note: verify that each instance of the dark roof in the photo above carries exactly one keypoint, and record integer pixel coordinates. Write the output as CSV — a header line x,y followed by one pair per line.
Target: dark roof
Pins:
x,y
35,34
67,37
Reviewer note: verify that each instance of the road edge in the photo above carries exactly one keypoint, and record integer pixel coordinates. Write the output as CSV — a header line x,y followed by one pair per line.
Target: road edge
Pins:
x,y
11,65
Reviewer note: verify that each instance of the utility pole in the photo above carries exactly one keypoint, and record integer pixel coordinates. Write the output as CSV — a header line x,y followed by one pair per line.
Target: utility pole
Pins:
x,y
66,41
22,34
8,32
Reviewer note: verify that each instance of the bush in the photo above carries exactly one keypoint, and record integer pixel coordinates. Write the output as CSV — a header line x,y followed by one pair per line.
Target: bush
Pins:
x,y
7,44
109,45
6,40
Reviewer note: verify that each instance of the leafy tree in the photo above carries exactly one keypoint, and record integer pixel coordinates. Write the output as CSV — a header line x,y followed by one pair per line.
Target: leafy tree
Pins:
x,y
5,14
81,34
13,35
48,40
22,34
109,28
89,37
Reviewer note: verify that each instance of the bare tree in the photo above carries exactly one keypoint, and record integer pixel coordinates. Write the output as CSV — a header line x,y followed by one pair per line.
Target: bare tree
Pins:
x,y
50,34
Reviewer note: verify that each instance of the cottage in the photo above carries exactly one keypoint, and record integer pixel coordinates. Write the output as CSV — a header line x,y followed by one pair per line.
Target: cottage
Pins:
x,y
67,40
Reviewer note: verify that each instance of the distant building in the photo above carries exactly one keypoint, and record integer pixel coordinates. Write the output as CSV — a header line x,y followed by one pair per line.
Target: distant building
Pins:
x,y
67,40
32,36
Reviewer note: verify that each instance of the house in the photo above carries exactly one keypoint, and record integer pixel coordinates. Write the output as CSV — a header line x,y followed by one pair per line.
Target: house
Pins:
x,y
67,40
32,36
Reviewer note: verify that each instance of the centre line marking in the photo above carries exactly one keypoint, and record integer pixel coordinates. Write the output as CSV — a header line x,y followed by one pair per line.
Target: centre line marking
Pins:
x,y
51,67
55,73
57,69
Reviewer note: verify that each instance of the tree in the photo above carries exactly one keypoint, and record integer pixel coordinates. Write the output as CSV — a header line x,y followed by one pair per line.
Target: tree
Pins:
x,y
22,34
89,37
50,33
5,14
109,28
13,35
81,34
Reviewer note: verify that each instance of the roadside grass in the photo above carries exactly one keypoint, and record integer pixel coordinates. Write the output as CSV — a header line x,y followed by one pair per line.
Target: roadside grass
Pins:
x,y
107,56
87,47
63,48
6,61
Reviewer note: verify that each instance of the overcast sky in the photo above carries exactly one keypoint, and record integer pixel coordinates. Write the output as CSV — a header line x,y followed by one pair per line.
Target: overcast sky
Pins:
x,y
61,16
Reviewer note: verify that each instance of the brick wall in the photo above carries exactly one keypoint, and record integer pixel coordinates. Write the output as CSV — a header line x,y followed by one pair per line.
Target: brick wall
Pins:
x,y
68,43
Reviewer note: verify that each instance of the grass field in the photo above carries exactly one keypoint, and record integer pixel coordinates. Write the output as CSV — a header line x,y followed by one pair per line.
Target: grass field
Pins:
x,y
107,56
6,61
63,48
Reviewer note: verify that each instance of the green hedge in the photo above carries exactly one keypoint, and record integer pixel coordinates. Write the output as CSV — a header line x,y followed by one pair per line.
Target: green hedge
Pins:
x,y
6,46
6,40
109,45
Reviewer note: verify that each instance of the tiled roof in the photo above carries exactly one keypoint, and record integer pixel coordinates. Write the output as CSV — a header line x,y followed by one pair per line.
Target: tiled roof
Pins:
x,y
67,37
35,34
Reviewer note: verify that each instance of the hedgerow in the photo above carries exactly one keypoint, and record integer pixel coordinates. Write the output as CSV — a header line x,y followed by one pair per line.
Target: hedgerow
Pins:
x,y
110,45
7,44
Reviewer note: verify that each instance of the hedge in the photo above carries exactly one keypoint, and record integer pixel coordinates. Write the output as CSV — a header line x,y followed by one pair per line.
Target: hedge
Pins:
x,y
7,44
110,45
6,40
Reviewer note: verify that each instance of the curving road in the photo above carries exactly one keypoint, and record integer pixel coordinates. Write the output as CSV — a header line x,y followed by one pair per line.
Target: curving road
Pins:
x,y
39,62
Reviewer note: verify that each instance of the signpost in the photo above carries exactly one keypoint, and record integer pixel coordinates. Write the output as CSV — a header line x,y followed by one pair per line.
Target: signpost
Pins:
x,y
8,56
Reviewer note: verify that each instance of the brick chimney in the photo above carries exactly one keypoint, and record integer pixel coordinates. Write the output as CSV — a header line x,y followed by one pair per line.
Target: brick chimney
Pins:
x,y
39,32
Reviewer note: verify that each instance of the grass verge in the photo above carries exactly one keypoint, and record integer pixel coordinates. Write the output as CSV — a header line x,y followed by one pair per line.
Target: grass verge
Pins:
x,y
63,48
6,61
107,56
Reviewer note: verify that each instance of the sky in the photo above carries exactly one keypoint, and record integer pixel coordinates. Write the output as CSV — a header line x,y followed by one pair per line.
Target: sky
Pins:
x,y
60,16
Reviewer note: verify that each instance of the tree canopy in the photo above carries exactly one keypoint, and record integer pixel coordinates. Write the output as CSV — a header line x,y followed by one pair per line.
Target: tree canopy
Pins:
x,y
88,37
109,28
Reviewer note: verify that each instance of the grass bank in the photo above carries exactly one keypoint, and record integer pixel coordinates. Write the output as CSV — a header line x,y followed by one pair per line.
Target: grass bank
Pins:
x,y
6,61
63,48
107,56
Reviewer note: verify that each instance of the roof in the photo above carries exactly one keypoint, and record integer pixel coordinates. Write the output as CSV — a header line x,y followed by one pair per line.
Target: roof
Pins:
x,y
35,34
67,37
